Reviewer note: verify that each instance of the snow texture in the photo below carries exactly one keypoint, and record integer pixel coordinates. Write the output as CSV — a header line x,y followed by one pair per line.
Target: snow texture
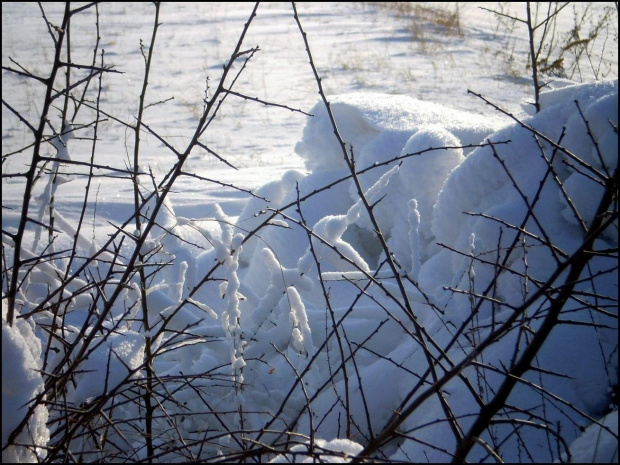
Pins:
x,y
280,312
21,383
427,203
345,448
598,443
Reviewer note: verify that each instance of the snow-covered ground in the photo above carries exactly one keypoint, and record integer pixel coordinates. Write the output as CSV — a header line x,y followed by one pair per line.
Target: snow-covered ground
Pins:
x,y
247,304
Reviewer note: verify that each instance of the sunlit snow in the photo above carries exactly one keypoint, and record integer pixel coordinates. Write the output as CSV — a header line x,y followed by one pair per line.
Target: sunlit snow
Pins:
x,y
250,325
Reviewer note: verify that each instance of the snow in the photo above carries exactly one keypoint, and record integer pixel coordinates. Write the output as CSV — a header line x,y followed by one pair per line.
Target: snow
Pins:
x,y
109,364
272,305
376,123
598,443
345,448
21,382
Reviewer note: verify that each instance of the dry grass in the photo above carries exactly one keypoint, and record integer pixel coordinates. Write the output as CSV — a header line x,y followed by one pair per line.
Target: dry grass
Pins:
x,y
425,19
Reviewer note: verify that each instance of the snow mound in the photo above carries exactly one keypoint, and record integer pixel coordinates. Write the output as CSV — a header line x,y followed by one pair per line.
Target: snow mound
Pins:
x,y
345,449
597,444
299,324
21,383
449,215
108,365
494,181
379,125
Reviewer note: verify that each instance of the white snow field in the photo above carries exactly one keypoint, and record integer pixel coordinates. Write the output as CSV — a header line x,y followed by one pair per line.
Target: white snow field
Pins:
x,y
437,280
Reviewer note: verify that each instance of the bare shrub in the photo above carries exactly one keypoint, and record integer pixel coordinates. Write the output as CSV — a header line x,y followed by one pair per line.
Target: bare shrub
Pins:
x,y
580,54
125,309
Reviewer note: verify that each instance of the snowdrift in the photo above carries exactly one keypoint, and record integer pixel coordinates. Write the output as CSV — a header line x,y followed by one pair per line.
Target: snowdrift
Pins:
x,y
450,219
292,320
